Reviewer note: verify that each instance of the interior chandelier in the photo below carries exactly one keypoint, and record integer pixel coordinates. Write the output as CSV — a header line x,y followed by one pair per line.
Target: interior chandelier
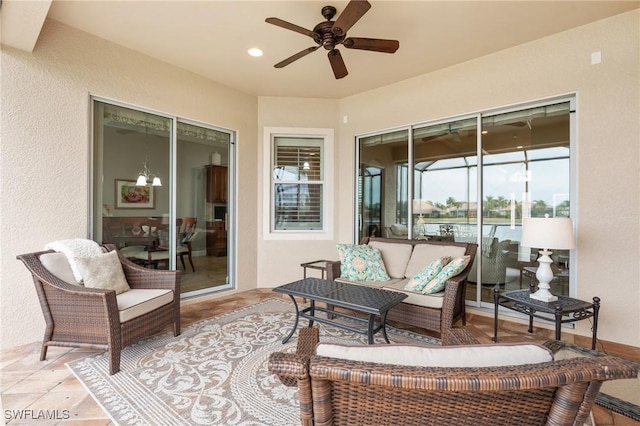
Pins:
x,y
145,175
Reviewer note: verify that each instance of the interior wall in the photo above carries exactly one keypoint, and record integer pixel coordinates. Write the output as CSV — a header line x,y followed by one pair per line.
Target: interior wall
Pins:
x,y
124,156
45,149
608,155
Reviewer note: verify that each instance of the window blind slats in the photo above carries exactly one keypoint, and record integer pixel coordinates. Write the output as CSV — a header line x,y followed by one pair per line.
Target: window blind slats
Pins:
x,y
297,163
298,206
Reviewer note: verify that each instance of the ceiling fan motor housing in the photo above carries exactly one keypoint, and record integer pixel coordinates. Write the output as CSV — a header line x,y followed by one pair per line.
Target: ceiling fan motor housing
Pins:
x,y
325,35
329,34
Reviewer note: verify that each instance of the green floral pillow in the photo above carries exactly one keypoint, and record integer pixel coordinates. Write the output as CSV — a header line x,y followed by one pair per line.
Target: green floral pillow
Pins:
x,y
426,274
452,269
361,263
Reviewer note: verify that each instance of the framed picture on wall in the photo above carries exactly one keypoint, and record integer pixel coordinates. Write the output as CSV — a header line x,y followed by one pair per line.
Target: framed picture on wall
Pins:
x,y
130,196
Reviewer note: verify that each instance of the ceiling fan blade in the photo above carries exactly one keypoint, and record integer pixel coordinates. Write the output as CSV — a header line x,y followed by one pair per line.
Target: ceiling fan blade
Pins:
x,y
349,16
337,64
374,44
289,26
295,57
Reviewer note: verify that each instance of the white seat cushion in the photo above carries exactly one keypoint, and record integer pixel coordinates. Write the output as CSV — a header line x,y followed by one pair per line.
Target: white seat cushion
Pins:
x,y
399,230
376,284
435,300
136,302
495,355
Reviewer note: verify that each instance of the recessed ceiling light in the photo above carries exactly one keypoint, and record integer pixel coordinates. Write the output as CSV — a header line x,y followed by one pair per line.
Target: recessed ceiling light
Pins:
x,y
254,51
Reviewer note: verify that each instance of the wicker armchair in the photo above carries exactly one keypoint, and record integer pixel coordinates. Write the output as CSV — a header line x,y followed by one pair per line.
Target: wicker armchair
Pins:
x,y
494,258
337,391
81,317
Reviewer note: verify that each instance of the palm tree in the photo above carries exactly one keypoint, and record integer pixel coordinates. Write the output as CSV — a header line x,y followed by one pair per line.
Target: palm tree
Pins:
x,y
451,202
538,208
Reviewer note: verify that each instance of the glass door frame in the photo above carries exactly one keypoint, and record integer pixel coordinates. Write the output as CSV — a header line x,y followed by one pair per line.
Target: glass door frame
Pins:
x,y
568,98
173,152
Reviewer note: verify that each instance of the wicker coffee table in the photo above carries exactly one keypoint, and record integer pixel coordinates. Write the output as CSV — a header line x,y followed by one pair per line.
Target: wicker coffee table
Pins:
x,y
372,301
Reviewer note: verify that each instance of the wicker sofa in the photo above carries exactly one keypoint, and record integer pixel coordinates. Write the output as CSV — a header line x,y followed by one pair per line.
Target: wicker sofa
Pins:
x,y
403,259
81,317
336,390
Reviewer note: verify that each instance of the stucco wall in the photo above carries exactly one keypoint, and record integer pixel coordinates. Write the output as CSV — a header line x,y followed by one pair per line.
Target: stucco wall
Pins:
x,y
280,260
45,148
608,160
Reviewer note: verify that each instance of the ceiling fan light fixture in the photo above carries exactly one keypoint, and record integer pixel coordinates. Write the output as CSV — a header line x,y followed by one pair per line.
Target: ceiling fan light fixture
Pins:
x,y
329,34
255,52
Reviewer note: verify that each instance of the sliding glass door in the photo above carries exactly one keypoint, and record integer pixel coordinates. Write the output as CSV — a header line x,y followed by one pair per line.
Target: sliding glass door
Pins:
x,y
381,210
162,193
526,173
203,197
445,200
473,180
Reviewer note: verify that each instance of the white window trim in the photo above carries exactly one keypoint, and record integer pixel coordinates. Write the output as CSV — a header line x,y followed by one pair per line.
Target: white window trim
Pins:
x,y
326,233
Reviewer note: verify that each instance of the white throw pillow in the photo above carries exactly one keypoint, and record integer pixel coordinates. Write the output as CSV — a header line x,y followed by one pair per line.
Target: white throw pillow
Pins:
x,y
104,272
75,247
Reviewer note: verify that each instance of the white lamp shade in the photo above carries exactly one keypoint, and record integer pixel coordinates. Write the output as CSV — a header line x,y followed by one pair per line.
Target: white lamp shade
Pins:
x,y
547,233
142,181
156,181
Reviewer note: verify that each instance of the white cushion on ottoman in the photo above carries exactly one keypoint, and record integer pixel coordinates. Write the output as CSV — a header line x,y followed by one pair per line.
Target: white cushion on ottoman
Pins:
x,y
441,356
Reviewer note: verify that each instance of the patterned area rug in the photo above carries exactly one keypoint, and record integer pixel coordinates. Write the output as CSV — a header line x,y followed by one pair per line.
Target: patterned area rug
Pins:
x,y
214,373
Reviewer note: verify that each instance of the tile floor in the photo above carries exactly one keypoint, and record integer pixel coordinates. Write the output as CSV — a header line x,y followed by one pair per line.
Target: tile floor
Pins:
x,y
31,387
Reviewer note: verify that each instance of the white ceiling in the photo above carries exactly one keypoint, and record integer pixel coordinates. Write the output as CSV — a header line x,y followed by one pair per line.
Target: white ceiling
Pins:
x,y
211,38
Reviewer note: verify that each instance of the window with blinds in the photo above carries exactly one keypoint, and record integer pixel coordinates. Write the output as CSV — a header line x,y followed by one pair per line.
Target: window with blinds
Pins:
x,y
298,183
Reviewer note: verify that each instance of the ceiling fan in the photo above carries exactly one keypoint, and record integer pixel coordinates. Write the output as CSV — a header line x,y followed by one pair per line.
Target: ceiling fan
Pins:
x,y
329,34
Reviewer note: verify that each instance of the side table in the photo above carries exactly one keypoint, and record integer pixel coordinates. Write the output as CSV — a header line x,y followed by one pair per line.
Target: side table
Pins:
x,y
321,265
574,309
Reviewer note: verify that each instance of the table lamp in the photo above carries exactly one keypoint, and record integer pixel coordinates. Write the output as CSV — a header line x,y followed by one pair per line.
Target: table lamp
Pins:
x,y
418,207
545,233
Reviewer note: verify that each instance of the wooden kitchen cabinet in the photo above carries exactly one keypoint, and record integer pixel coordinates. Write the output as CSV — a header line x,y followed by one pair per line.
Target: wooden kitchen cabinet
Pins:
x,y
216,238
217,182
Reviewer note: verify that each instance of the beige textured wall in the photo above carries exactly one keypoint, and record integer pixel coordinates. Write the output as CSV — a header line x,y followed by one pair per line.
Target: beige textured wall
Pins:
x,y
44,149
279,261
608,141
608,132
